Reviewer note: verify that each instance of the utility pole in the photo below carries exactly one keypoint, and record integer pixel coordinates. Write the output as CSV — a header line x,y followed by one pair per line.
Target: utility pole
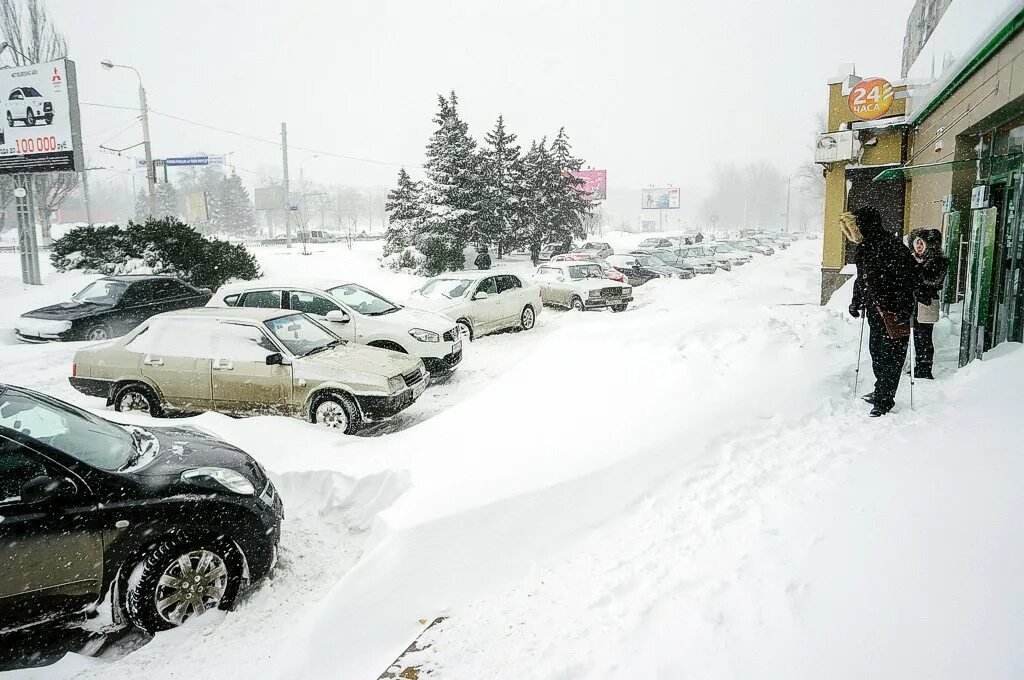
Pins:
x,y
28,243
789,181
287,198
85,196
150,168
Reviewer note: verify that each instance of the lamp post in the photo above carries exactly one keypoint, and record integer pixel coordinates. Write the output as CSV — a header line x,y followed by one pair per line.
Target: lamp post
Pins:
x,y
150,170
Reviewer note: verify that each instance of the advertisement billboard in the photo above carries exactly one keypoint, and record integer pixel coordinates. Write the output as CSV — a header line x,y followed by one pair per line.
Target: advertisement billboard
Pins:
x,y
40,125
269,198
659,199
595,184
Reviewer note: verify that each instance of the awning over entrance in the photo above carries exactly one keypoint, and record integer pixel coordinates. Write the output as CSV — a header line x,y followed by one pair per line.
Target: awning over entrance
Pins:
x,y
903,172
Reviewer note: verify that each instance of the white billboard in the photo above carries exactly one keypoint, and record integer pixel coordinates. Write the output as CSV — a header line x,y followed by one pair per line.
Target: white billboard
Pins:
x,y
659,199
39,121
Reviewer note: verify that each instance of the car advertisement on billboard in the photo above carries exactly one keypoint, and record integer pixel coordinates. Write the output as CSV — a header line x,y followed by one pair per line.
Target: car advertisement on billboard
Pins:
x,y
659,199
595,184
39,121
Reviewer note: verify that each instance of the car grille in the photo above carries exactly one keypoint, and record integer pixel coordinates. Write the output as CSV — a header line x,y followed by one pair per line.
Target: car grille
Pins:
x,y
412,377
611,292
452,335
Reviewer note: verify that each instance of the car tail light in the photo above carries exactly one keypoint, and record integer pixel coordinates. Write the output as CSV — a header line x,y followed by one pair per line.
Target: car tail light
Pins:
x,y
74,368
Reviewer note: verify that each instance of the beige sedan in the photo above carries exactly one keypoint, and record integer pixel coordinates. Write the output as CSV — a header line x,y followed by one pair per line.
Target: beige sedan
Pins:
x,y
249,361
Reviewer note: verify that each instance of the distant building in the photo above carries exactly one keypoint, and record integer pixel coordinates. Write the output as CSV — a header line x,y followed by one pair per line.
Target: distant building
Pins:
x,y
923,19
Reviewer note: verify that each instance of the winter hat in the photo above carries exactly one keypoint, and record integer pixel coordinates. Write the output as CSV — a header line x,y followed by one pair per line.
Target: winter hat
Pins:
x,y
848,225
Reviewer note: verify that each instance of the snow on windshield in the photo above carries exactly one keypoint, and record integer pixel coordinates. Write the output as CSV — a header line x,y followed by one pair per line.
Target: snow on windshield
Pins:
x,y
363,300
586,271
446,288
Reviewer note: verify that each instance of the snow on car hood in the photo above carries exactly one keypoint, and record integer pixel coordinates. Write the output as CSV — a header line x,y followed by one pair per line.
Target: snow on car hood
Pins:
x,y
434,303
353,357
409,317
66,311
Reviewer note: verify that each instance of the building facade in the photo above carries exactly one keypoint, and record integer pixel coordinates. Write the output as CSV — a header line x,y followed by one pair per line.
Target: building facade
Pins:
x,y
923,19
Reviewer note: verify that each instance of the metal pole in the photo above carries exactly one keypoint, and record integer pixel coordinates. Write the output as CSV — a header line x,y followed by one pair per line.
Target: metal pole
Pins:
x,y
789,181
150,169
287,201
85,197
28,241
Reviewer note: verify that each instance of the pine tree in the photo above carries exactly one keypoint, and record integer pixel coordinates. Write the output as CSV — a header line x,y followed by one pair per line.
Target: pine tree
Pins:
x,y
452,192
572,206
501,220
233,211
541,189
404,214
166,201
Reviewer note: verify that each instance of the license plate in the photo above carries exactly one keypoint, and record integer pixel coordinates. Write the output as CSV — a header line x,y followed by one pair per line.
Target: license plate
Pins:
x,y
419,387
457,347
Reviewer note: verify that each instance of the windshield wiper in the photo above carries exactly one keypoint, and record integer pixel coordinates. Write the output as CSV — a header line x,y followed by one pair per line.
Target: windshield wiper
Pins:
x,y
386,311
321,348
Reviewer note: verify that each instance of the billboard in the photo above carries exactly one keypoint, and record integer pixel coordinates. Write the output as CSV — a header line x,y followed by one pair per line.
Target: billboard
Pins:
x,y
659,199
40,127
269,198
595,184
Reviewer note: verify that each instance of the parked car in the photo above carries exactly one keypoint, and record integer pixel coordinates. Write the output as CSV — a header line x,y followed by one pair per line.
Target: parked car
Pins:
x,y
581,286
549,250
734,255
167,523
317,236
752,246
609,271
109,307
704,254
248,361
28,106
639,269
481,302
596,248
355,313
655,242
776,240
673,259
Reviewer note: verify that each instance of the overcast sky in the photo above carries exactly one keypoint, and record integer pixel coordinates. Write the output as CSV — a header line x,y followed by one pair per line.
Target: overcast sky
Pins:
x,y
655,92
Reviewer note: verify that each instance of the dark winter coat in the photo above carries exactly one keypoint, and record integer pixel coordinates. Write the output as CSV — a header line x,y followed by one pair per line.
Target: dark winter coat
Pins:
x,y
698,238
483,261
887,274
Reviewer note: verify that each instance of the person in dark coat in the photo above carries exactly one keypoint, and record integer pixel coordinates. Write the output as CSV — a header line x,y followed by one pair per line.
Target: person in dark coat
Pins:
x,y
926,244
698,238
483,260
535,253
887,278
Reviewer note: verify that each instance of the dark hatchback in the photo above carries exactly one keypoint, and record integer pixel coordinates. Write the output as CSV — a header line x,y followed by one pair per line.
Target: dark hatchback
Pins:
x,y
109,308
162,523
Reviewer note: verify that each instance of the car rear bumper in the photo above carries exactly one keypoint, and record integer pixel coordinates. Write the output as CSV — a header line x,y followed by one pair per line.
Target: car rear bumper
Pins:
x,y
93,387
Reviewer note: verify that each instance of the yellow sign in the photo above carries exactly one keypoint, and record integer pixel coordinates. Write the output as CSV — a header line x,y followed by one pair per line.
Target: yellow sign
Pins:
x,y
871,99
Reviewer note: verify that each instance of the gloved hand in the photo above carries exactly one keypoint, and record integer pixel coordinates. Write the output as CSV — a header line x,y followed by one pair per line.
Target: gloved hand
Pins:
x,y
854,310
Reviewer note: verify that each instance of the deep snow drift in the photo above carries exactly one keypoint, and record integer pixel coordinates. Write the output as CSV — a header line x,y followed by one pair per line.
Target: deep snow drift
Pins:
x,y
689,489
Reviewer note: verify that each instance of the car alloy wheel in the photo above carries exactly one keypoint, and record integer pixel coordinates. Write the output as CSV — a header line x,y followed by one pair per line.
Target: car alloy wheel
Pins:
x,y
97,333
528,318
332,414
192,584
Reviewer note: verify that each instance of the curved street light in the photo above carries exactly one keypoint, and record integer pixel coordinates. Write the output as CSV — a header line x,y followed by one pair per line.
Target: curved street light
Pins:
x,y
150,170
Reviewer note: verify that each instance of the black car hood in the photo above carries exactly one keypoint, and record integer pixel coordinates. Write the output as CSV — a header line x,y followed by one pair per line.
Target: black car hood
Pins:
x,y
184,448
67,311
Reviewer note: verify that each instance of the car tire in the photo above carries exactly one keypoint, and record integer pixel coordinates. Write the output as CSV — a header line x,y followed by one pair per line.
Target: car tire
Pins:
x,y
620,308
99,332
138,397
528,319
30,118
465,329
337,411
576,304
215,562
48,118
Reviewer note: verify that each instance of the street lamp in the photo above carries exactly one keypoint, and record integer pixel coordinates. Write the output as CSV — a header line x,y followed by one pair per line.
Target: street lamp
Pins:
x,y
150,170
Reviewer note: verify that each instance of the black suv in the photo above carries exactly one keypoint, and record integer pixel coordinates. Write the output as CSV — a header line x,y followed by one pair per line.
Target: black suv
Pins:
x,y
109,308
168,522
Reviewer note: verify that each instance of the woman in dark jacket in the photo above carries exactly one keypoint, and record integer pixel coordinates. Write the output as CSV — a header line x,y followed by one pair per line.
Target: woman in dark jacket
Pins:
x,y
933,265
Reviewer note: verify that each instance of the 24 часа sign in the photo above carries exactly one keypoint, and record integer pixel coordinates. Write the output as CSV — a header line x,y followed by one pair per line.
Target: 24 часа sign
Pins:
x,y
39,122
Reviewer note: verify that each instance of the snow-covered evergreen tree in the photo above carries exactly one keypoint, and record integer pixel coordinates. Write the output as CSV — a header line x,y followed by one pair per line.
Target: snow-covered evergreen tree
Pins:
x,y
167,201
541,194
572,208
404,214
232,211
501,219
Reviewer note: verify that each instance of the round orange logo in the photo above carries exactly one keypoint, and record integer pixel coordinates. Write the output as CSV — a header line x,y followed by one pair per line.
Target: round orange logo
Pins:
x,y
871,99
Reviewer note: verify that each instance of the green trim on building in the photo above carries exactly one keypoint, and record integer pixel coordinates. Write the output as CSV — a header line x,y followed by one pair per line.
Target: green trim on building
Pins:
x,y
990,48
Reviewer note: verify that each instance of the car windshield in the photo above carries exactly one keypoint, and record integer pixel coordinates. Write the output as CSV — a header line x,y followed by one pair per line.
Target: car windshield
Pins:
x,y
31,92
667,257
586,271
722,248
301,335
72,431
102,292
648,261
363,300
446,288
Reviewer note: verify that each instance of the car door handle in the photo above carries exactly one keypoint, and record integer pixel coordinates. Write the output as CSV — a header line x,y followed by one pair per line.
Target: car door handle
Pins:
x,y
223,365
153,361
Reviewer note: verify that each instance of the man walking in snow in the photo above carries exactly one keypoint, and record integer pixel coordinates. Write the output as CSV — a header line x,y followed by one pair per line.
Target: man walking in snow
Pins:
x,y
887,277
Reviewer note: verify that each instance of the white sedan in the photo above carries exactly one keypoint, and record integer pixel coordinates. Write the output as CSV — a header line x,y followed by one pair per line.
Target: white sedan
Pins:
x,y
481,302
580,286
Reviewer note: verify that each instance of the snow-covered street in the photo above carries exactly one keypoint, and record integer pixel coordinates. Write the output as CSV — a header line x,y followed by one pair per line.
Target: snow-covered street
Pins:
x,y
688,489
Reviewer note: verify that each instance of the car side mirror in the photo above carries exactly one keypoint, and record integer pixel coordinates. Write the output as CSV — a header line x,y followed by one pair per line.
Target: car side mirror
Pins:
x,y
338,316
481,295
45,488
278,359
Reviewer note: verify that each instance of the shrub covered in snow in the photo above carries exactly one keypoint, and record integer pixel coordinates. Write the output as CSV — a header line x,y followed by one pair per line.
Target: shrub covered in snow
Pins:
x,y
406,259
157,246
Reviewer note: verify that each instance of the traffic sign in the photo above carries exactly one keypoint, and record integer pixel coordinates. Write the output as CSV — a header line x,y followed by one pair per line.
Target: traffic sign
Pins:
x,y
180,161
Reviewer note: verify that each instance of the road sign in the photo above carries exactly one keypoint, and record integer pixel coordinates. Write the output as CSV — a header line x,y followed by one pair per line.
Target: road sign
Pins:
x,y
182,161
293,207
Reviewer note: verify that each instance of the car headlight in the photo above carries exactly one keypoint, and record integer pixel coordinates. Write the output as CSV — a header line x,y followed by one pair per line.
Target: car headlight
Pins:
x,y
219,478
425,336
595,293
396,384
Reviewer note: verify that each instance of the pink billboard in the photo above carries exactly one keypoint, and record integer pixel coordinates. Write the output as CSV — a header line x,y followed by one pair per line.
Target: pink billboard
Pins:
x,y
595,184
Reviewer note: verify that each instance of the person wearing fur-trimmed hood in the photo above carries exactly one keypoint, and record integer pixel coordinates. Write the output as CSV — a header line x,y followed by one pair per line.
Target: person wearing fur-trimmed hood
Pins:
x,y
926,245
887,278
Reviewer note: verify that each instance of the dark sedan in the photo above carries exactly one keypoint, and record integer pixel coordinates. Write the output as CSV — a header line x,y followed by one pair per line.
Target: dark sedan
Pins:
x,y
109,308
167,522
639,269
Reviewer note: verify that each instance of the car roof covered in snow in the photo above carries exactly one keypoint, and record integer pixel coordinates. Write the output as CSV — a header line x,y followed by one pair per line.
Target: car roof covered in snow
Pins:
x,y
285,282
241,313
477,275
130,278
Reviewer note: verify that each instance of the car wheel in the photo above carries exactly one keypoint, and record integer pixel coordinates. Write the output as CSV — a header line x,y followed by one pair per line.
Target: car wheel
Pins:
x,y
528,318
99,332
10,119
619,308
49,118
181,579
337,411
576,303
30,118
137,397
465,330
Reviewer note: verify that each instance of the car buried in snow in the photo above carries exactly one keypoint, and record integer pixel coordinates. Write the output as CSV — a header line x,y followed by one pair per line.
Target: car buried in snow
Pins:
x,y
596,249
752,246
109,307
673,258
163,524
581,286
355,313
481,302
639,269
725,251
249,361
